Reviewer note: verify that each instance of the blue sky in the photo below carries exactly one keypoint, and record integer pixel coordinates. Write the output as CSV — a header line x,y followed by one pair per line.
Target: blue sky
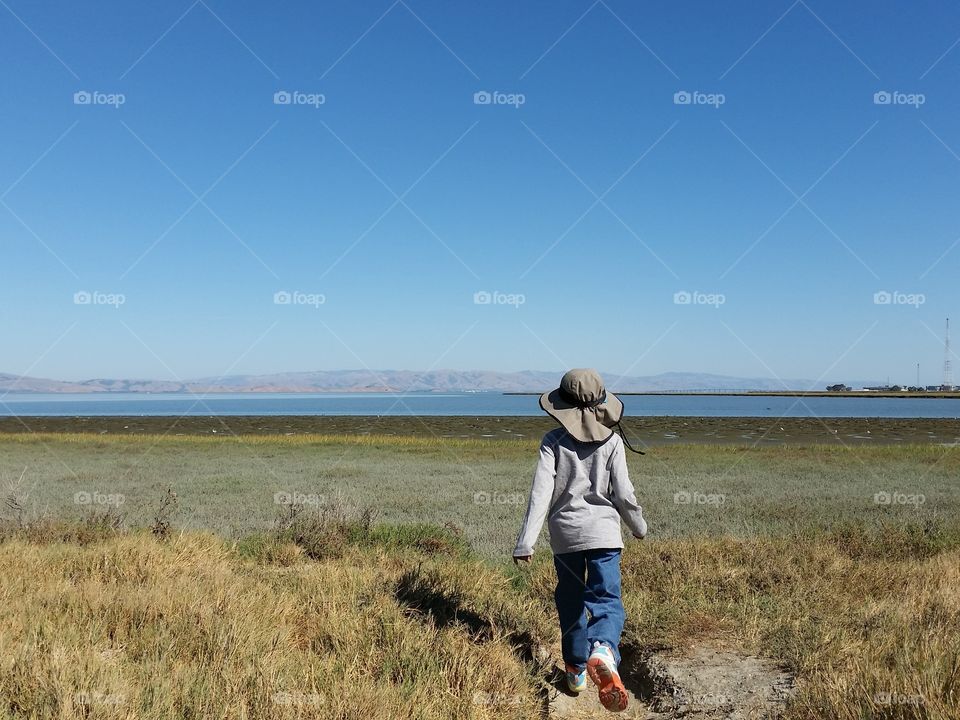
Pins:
x,y
588,194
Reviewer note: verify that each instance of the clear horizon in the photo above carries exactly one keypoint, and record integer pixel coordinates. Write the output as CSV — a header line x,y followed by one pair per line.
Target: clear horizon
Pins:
x,y
208,189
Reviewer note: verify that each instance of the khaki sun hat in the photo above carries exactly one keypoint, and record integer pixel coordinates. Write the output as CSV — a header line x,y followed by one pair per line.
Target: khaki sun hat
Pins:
x,y
583,406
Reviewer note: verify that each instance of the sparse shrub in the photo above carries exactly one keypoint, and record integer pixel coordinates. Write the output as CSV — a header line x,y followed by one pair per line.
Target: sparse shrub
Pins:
x,y
321,531
162,518
268,549
422,537
94,526
91,528
14,505
892,540
324,531
108,520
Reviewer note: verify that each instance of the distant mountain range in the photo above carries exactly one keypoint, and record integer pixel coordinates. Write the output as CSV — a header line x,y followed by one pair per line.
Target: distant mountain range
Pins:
x,y
410,381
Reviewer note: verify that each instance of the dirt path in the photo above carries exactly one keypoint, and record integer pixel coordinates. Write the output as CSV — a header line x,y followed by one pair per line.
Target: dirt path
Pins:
x,y
705,683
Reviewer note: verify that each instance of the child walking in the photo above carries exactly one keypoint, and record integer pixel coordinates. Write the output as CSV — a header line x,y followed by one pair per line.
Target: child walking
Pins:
x,y
581,487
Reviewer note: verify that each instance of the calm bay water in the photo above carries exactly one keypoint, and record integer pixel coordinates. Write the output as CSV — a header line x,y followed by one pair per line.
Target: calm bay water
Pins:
x,y
488,403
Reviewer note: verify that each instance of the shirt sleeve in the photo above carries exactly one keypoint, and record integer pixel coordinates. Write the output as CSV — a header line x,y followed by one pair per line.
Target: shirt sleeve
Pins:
x,y
623,496
541,492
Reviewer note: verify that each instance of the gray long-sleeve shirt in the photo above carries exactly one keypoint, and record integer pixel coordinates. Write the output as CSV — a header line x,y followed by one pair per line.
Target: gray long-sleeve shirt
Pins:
x,y
582,490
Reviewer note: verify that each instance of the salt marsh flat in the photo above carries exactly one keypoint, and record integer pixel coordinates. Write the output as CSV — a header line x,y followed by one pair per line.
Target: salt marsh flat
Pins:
x,y
236,484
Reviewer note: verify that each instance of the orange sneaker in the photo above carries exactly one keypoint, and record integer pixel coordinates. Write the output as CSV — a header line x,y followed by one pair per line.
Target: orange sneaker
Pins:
x,y
602,669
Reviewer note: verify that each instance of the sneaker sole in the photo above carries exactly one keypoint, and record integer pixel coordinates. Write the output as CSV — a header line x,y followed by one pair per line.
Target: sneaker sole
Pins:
x,y
613,695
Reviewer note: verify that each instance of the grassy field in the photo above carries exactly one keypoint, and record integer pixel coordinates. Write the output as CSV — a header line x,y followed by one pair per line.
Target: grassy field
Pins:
x,y
650,431
841,565
234,486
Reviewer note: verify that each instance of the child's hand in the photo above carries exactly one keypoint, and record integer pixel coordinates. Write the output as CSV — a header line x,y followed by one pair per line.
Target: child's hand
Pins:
x,y
517,559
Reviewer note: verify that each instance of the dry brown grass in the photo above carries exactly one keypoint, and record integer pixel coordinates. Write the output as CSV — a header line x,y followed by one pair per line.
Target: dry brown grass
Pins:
x,y
330,615
131,627
869,630
300,440
128,626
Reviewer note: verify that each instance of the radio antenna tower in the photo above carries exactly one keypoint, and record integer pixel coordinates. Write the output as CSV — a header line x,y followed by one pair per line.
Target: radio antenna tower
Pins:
x,y
947,367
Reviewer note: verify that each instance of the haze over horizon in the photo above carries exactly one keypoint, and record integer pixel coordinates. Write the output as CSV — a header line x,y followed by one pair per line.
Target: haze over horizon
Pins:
x,y
437,380
214,189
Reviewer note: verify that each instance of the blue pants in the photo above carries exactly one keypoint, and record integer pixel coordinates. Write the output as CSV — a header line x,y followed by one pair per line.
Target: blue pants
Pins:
x,y
588,582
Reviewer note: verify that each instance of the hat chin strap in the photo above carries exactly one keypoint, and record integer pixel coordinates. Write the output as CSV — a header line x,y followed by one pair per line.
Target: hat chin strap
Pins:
x,y
626,442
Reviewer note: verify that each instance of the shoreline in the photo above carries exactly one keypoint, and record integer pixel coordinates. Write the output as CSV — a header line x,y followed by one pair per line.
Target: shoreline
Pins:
x,y
648,431
933,394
